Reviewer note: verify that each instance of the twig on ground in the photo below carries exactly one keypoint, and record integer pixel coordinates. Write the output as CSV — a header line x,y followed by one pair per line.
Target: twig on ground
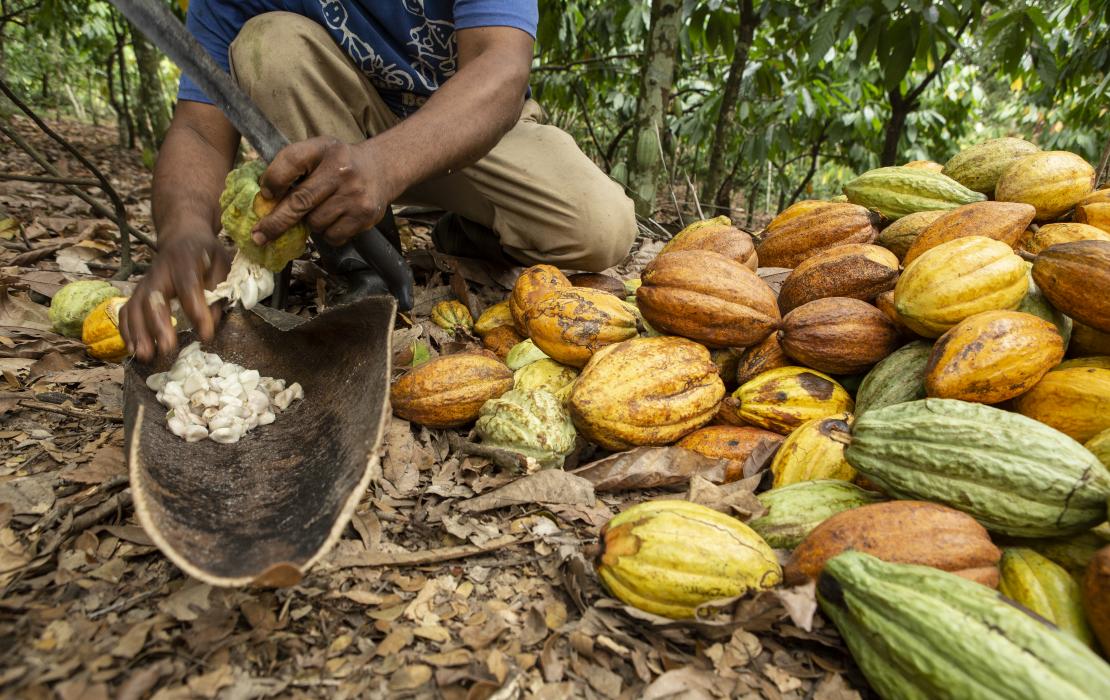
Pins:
x,y
70,411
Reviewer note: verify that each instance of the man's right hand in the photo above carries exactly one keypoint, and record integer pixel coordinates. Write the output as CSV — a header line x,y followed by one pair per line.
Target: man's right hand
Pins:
x,y
187,263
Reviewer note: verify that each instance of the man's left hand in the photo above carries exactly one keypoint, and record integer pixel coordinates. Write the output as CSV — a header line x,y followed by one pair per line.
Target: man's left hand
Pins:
x,y
342,192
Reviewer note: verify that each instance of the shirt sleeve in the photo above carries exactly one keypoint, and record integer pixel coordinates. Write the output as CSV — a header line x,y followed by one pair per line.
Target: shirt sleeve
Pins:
x,y
204,24
519,14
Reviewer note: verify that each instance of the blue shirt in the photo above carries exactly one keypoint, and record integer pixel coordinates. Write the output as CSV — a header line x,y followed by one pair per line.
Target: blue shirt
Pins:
x,y
405,48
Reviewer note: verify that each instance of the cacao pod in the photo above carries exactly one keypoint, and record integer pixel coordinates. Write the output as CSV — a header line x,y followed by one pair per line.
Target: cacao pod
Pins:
x,y
919,632
1073,552
838,335
533,285
728,413
958,279
784,398
896,191
1075,277
452,316
898,378
809,227
1001,221
978,167
1052,181
1087,341
885,303
1096,596
1046,588
546,374
759,358
100,331
1098,362
1035,303
704,296
992,356
530,422
1074,400
904,532
727,360
717,236
571,325
1094,210
813,452
924,165
645,391
523,354
728,441
241,207
668,557
855,270
449,391
1050,234
794,511
1099,446
73,302
1013,474
594,280
494,317
501,340
900,234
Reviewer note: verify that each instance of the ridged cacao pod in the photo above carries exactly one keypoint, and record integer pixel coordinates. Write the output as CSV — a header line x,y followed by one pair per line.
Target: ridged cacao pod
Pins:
x,y
757,359
1075,401
904,532
1046,588
598,281
958,279
885,303
1013,474
1096,596
992,356
501,340
1075,277
452,316
533,423
646,391
783,399
896,191
1052,181
494,317
449,391
668,557
918,632
1001,221
570,325
707,297
533,285
100,331
855,270
924,165
978,167
900,234
719,236
794,511
546,374
242,206
728,442
727,360
1073,552
838,335
523,354
1037,304
809,227
898,378
1050,234
813,452
76,300
1094,210
1099,446
1087,341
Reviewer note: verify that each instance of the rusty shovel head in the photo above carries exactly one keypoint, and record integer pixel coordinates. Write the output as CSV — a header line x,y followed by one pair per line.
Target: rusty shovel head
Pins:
x,y
263,510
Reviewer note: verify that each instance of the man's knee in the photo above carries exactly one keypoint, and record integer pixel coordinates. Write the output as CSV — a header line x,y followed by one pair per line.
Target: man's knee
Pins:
x,y
604,231
254,62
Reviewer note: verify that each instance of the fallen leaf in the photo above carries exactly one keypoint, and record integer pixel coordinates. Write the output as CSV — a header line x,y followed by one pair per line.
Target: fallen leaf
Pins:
x,y
547,486
30,495
656,467
410,677
20,312
800,603
187,602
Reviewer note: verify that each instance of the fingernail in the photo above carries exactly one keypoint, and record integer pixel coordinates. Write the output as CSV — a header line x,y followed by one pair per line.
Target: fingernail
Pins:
x,y
258,238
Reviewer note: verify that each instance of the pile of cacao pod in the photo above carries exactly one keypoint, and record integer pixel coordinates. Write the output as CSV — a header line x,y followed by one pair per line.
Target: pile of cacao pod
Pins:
x,y
931,358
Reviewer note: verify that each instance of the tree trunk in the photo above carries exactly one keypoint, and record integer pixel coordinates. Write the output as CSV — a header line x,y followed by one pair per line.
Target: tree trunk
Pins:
x,y
899,110
726,116
657,78
124,100
152,98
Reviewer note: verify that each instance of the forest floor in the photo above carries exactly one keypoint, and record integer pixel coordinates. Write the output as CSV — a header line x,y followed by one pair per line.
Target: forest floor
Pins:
x,y
91,609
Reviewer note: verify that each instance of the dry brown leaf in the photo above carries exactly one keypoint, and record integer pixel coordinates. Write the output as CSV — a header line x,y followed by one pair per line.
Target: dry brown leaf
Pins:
x,y
653,467
552,486
17,311
29,495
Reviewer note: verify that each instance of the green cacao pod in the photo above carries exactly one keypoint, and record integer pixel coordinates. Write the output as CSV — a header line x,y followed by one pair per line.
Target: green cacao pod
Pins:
x,y
242,205
531,422
978,167
920,633
898,378
793,511
896,191
1046,588
668,557
523,354
1036,303
73,302
452,316
1014,475
546,374
899,236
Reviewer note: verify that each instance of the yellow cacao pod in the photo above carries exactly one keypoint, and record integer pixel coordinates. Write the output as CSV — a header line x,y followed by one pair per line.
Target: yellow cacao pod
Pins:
x,y
783,399
100,331
813,452
1074,400
1046,588
646,391
1051,234
533,284
958,279
668,557
449,391
1094,210
1052,181
494,317
452,316
1099,446
570,325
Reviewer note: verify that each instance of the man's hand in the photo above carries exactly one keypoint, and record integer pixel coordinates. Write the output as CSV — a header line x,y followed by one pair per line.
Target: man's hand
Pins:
x,y
341,194
187,264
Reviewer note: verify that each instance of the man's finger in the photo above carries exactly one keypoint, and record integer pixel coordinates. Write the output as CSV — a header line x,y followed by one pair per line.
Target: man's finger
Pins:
x,y
133,330
292,162
293,207
158,324
190,292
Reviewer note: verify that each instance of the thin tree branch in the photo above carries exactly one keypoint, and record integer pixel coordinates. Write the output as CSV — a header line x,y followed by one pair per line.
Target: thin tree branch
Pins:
x,y
585,61
79,182
911,97
589,125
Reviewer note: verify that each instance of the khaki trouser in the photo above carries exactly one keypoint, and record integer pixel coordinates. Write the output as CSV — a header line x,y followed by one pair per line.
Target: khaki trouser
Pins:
x,y
539,193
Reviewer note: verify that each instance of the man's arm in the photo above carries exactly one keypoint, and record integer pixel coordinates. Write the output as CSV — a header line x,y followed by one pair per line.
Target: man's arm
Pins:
x,y
196,155
347,187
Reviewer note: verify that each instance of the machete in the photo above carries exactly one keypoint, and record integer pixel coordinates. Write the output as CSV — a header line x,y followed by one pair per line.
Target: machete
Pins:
x,y
155,20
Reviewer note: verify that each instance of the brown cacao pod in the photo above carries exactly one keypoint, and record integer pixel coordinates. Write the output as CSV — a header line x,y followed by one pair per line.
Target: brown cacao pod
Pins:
x,y
903,532
501,339
1086,341
759,358
571,324
885,303
1075,277
449,391
728,442
728,413
899,236
595,280
532,285
1052,181
838,335
809,227
718,236
992,356
855,270
1002,221
646,391
707,297
1094,210
1050,234
1096,596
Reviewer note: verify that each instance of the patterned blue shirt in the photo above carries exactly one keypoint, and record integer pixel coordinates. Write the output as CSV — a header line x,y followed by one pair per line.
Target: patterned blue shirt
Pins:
x,y
406,48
